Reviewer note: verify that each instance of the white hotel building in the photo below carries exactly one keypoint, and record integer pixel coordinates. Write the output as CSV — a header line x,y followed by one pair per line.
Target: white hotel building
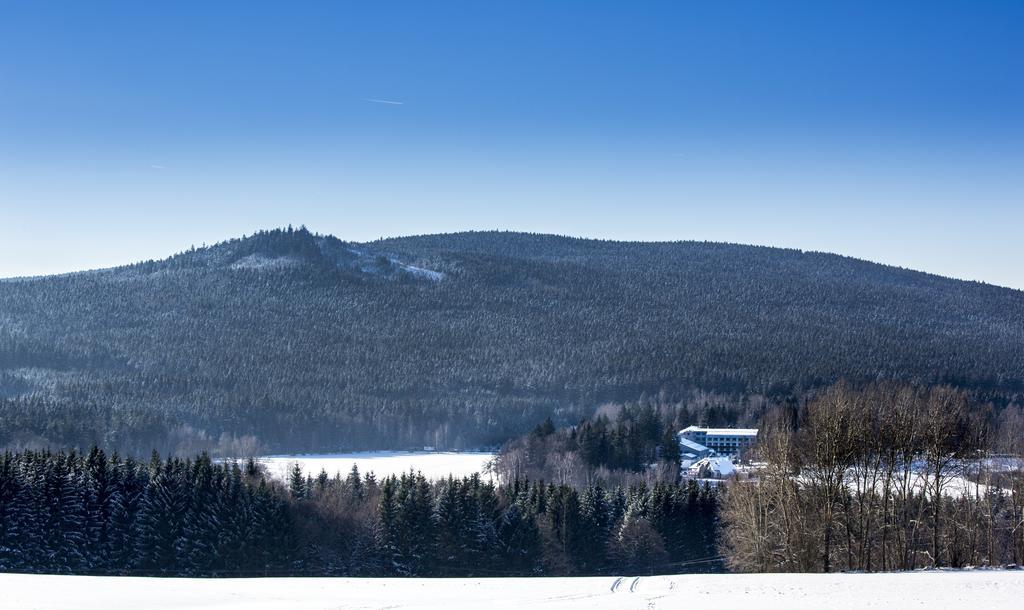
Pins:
x,y
718,441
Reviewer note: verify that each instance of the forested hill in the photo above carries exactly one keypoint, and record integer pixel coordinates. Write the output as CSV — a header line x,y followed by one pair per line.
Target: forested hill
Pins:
x,y
310,343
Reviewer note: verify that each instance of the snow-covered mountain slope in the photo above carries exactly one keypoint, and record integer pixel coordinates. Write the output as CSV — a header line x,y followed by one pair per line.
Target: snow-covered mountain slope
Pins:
x,y
305,342
991,590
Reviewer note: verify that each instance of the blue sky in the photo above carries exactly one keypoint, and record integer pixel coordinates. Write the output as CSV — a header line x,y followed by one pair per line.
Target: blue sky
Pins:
x,y
891,131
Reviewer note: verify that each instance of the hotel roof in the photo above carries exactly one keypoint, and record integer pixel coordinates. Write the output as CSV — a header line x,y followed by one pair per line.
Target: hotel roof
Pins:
x,y
722,431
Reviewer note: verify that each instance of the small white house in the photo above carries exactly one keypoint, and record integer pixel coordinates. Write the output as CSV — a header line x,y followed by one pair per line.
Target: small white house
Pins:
x,y
712,468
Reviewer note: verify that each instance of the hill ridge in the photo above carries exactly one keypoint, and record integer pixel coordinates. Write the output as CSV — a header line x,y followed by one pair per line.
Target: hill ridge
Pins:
x,y
371,247
307,342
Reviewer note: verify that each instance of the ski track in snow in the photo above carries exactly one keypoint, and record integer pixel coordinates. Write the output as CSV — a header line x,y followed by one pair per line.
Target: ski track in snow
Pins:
x,y
935,590
430,274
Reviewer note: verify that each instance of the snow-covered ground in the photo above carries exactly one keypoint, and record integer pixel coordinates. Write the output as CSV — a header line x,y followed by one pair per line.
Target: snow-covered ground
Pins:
x,y
957,487
260,261
437,276
433,465
990,590
952,486
1004,463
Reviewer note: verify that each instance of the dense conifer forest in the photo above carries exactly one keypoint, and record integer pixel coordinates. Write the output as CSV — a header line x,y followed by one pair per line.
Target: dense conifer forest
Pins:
x,y
620,443
93,514
292,341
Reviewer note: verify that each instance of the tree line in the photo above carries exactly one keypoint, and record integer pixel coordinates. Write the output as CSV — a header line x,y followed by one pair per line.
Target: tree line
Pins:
x,y
72,513
619,441
89,513
881,477
622,443
876,477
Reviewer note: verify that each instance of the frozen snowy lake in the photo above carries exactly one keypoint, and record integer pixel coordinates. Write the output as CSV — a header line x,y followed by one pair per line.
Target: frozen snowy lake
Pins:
x,y
433,464
991,590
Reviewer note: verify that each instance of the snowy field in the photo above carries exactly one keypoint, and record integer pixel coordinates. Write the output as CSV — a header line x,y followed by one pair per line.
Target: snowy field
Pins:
x,y
433,465
990,590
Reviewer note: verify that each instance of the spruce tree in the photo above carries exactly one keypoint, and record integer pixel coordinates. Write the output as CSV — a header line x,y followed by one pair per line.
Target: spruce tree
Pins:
x,y
388,533
594,527
197,546
161,519
518,542
354,483
16,516
450,530
297,482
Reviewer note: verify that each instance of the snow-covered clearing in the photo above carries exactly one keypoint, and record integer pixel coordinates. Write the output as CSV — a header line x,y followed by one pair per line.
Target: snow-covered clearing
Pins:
x,y
259,261
1004,463
437,276
955,487
369,265
433,465
920,482
991,590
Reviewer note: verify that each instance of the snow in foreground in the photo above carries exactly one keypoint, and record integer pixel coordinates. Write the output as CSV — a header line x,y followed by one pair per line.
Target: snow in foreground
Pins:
x,y
991,590
433,465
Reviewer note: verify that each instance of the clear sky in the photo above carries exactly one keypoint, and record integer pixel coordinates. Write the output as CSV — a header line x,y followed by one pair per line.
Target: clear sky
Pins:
x,y
891,131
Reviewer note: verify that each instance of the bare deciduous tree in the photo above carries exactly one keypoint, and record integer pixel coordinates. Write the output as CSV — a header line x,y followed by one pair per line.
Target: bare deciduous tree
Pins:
x,y
884,477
